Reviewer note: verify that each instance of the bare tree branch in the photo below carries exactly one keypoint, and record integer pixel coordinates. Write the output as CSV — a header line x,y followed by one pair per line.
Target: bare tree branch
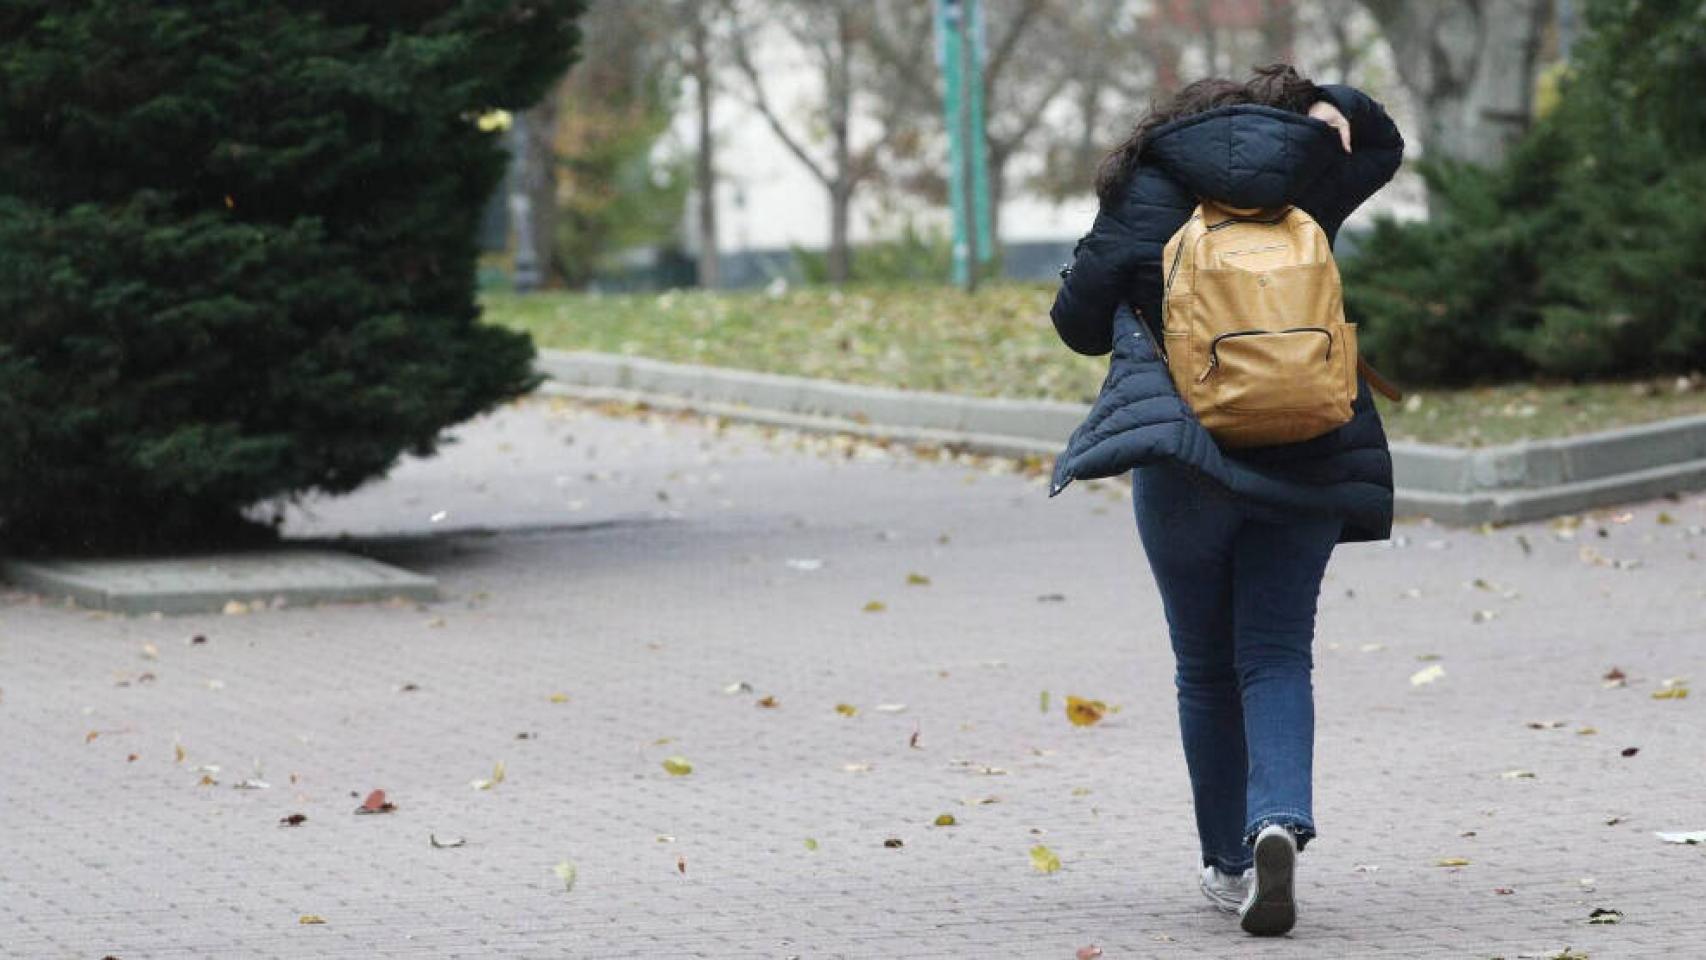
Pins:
x,y
760,101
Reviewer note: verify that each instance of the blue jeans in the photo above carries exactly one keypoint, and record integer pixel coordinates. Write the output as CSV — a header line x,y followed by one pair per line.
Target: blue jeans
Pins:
x,y
1239,584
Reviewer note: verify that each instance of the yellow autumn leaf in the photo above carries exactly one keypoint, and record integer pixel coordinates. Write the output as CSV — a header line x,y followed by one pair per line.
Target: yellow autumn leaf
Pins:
x,y
565,872
917,580
945,820
811,843
497,777
1044,701
1452,862
876,606
559,698
1084,712
846,709
677,765
310,918
1044,860
493,120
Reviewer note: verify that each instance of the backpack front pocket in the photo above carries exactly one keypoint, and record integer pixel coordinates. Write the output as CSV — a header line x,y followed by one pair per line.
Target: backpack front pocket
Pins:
x,y
1268,371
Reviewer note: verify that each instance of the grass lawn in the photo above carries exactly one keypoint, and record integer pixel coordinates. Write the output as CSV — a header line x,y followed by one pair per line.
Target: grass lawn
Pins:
x,y
998,343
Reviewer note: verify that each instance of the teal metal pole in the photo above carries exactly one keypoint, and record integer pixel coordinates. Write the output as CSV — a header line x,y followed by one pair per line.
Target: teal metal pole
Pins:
x,y
950,55
978,142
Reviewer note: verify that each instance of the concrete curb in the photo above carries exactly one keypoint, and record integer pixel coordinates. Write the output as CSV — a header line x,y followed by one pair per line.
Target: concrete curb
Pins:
x,y
1504,484
207,583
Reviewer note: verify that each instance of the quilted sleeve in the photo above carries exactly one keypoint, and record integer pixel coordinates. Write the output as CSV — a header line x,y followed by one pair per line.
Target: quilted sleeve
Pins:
x,y
1092,286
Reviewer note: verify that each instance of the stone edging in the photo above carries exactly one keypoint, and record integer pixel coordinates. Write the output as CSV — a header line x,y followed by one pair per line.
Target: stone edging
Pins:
x,y
1509,483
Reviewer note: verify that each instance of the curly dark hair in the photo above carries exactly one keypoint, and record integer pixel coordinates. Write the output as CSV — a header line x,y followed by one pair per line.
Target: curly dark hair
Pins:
x,y
1276,85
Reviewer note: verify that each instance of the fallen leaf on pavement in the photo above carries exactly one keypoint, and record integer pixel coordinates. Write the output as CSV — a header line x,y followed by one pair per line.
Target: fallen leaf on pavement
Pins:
x,y
1615,678
496,778
445,844
1427,674
1044,860
1452,862
1518,775
1545,724
294,820
768,701
677,765
894,843
846,709
1083,712
90,736
310,918
1605,915
559,698
1088,953
376,803
875,606
681,864
1690,836
1587,731
917,580
565,871
1670,693
811,843
945,820
1630,751
1503,891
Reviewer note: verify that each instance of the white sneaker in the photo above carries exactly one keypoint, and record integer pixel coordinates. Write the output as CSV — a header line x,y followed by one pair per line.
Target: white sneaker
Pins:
x,y
1225,890
1269,907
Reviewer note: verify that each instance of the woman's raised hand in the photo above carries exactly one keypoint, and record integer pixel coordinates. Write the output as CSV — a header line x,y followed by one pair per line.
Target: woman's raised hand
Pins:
x,y
1324,111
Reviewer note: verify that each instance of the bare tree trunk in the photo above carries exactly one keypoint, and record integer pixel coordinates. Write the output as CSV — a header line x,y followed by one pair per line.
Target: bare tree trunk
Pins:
x,y
541,186
710,266
1470,65
838,82
1279,30
840,256
1210,35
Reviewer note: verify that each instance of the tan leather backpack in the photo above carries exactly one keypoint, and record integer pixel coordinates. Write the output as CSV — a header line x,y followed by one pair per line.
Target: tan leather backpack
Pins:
x,y
1254,329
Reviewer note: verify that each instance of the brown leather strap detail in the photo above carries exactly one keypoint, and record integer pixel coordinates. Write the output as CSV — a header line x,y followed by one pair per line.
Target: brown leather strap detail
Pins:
x,y
1379,382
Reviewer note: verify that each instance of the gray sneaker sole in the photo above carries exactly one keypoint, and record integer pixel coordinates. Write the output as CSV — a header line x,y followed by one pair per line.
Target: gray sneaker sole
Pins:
x,y
1274,909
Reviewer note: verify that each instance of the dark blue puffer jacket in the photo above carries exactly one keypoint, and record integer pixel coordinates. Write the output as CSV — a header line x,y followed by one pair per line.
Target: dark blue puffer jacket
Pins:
x,y
1242,156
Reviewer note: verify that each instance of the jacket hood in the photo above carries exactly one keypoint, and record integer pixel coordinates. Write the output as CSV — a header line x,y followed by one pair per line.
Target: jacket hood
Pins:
x,y
1245,155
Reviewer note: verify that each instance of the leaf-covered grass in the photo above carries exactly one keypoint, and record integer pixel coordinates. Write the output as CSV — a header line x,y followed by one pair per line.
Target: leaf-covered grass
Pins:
x,y
998,342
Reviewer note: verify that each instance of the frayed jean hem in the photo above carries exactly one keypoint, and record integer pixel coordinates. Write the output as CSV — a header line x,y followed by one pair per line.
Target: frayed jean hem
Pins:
x,y
1227,867
1301,827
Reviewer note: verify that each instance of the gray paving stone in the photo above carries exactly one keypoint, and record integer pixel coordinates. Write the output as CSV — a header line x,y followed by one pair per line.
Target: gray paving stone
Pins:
x,y
564,571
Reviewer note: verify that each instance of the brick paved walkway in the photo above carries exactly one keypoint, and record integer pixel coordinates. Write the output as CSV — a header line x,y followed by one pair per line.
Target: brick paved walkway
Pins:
x,y
645,569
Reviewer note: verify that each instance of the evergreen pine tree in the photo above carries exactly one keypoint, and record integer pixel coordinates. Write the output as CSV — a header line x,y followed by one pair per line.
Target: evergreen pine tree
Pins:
x,y
237,252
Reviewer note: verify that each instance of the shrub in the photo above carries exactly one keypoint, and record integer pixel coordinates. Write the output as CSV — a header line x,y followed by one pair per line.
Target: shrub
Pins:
x,y
239,250
1579,256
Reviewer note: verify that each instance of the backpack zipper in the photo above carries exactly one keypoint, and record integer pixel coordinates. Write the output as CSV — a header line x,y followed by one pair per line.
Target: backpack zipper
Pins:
x,y
1214,344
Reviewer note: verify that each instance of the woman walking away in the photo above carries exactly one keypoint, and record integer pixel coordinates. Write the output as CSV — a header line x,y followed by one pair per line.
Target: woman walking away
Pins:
x,y
1240,494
